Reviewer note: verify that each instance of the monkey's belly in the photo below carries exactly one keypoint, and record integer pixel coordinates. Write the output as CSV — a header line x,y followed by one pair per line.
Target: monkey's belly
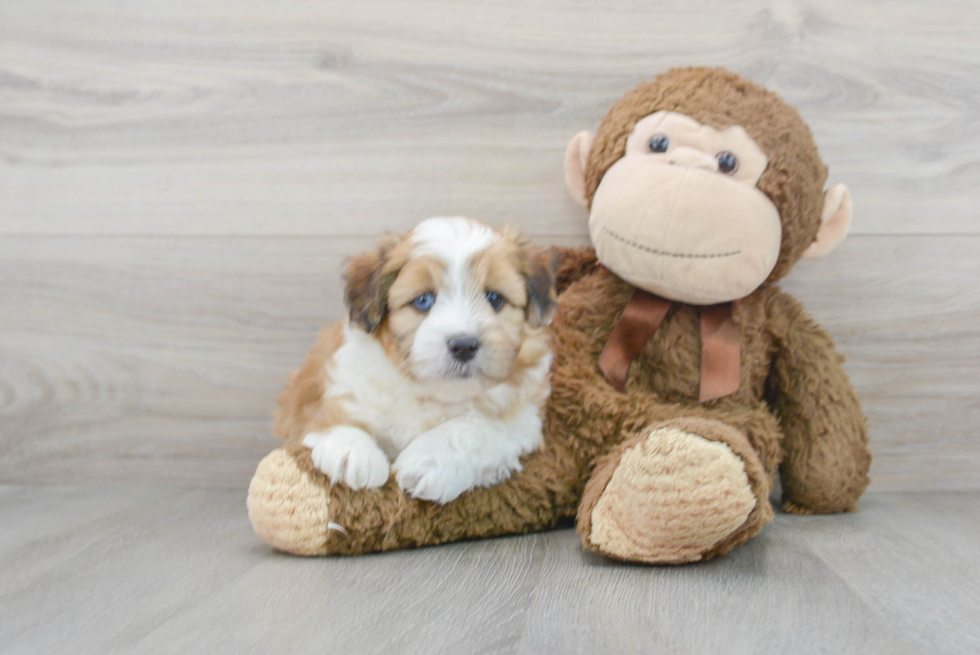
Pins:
x,y
669,366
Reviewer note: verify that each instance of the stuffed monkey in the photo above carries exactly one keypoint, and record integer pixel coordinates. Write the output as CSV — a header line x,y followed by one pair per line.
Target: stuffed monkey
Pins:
x,y
684,379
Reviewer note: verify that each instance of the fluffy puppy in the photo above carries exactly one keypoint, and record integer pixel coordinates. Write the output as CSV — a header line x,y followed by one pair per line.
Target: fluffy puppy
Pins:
x,y
442,367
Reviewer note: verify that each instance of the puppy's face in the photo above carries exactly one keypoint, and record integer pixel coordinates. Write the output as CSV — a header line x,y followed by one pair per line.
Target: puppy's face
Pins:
x,y
454,299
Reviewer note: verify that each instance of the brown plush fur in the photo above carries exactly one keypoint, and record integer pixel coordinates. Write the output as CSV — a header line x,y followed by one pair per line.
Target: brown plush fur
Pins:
x,y
795,413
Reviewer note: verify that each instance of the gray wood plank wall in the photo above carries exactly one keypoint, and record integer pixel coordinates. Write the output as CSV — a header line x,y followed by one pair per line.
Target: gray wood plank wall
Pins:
x,y
180,181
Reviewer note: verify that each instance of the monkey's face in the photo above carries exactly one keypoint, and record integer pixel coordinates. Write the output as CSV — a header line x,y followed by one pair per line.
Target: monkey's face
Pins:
x,y
680,215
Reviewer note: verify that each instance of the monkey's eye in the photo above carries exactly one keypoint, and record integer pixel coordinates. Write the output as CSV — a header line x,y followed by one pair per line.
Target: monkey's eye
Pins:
x,y
424,302
727,162
659,143
496,300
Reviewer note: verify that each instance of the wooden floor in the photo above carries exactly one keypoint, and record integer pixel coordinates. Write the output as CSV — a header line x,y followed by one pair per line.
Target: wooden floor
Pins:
x,y
180,181
129,569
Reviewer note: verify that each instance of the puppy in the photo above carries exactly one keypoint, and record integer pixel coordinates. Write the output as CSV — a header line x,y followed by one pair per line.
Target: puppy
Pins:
x,y
442,367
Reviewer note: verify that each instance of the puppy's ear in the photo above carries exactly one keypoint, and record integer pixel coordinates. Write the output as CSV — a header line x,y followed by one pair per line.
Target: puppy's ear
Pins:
x,y
368,277
539,274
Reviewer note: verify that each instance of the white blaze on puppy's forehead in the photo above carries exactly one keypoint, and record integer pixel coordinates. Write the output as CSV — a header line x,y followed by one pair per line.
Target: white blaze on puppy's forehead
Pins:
x,y
453,239
472,259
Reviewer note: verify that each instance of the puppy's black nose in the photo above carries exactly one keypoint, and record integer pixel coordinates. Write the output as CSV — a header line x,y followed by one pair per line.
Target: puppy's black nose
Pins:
x,y
463,347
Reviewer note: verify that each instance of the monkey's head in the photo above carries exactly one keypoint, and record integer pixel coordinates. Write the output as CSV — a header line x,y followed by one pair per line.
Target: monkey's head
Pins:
x,y
703,186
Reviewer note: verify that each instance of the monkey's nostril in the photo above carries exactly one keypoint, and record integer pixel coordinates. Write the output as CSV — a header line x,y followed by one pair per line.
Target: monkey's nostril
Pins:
x,y
463,347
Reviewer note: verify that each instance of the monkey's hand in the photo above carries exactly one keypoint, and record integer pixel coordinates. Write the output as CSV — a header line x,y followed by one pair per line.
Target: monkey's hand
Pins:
x,y
826,457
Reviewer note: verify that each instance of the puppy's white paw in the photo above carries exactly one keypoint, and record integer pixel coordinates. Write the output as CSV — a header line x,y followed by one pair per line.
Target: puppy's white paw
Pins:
x,y
433,473
349,455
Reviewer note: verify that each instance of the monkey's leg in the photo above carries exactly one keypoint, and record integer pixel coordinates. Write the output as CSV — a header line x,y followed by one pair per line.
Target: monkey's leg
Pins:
x,y
295,509
683,490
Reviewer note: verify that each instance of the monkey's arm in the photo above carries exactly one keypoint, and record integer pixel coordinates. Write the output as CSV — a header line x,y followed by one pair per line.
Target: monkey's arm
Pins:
x,y
825,468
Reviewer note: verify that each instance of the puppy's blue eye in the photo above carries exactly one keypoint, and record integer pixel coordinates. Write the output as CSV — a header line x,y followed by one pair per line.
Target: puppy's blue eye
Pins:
x,y
496,300
424,302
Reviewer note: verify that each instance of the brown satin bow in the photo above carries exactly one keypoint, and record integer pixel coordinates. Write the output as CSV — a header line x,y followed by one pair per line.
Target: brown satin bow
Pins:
x,y
720,352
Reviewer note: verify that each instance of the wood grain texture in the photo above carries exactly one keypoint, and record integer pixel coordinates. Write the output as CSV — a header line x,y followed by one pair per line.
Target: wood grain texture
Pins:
x,y
134,569
161,358
297,117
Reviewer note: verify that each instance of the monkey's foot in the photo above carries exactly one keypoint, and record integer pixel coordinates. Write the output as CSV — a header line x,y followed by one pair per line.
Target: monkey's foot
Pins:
x,y
686,490
289,507
295,509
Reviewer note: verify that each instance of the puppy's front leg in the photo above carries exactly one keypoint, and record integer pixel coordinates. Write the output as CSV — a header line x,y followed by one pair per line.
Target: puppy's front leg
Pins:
x,y
350,455
465,452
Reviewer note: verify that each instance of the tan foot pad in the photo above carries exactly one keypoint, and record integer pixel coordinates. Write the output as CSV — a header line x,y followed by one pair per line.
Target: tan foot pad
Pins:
x,y
671,498
286,508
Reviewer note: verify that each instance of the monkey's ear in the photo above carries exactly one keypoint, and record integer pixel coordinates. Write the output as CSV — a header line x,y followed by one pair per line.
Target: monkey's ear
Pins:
x,y
576,157
835,222
367,279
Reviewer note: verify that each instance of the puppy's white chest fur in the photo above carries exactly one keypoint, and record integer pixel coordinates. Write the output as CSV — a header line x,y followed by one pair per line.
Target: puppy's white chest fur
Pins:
x,y
394,408
445,437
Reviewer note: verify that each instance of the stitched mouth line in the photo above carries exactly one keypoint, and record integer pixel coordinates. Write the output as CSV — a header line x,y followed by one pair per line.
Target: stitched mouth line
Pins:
x,y
654,251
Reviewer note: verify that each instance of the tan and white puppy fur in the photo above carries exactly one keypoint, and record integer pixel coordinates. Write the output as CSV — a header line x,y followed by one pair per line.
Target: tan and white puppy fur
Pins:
x,y
442,368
